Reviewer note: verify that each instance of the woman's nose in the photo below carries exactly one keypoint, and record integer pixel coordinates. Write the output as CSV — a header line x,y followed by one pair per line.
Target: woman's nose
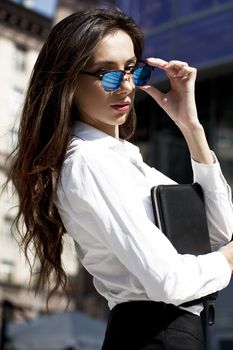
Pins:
x,y
127,84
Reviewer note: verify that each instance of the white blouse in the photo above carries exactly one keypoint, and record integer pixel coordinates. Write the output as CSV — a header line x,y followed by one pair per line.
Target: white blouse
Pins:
x,y
104,201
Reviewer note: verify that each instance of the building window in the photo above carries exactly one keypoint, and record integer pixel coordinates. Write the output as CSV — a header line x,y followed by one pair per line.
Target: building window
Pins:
x,y
20,58
6,229
14,139
17,99
6,270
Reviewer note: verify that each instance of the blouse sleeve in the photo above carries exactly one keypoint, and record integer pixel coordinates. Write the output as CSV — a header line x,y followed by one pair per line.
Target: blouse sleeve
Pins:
x,y
101,198
218,200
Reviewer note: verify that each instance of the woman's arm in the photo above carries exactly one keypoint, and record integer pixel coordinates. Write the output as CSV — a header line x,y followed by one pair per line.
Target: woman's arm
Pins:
x,y
197,144
179,104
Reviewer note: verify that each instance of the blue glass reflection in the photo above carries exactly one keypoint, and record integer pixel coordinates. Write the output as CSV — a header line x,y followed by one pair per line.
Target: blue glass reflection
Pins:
x,y
195,31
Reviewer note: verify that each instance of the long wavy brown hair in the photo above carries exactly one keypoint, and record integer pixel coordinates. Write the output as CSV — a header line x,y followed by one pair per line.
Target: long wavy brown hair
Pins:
x,y
47,116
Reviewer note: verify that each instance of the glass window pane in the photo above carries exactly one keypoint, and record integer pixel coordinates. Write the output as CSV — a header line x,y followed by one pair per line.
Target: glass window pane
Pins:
x,y
225,127
20,58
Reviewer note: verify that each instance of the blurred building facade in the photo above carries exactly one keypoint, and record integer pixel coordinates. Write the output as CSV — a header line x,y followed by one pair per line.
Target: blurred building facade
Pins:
x,y
23,28
21,36
22,33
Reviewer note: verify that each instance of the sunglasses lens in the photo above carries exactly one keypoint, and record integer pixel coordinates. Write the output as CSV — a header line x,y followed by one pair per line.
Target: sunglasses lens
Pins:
x,y
111,81
142,75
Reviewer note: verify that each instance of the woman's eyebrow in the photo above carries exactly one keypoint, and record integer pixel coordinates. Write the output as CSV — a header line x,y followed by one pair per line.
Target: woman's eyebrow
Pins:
x,y
114,63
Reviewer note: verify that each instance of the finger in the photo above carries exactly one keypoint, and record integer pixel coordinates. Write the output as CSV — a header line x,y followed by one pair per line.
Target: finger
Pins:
x,y
183,71
156,62
177,63
172,68
179,69
175,68
186,73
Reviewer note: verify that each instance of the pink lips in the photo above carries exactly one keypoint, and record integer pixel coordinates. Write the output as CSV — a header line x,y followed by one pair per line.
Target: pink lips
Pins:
x,y
121,106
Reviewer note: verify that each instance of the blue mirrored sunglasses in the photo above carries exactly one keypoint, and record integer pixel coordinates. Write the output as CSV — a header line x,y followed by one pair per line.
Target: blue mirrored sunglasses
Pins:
x,y
112,79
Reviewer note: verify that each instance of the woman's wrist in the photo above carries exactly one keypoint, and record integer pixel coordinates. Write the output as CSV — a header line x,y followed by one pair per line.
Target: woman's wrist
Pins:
x,y
190,126
194,135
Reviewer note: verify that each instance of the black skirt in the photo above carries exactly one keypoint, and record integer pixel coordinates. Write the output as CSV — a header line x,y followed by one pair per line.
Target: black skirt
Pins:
x,y
148,325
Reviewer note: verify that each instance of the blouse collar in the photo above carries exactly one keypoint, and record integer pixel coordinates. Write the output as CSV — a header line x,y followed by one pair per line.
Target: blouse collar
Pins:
x,y
87,132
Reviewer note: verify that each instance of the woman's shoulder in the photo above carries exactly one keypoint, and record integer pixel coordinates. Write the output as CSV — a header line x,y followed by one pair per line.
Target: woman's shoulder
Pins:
x,y
80,160
80,150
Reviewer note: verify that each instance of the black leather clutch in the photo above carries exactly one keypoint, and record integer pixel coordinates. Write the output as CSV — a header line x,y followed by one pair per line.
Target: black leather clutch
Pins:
x,y
179,212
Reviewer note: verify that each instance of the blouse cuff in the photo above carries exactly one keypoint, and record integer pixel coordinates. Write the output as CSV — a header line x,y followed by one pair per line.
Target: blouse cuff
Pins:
x,y
217,266
209,176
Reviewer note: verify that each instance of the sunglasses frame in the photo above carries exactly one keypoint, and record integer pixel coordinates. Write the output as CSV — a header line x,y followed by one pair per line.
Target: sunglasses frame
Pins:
x,y
131,70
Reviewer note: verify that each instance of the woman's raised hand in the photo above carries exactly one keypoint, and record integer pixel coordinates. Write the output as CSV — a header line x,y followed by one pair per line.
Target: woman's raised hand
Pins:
x,y
179,101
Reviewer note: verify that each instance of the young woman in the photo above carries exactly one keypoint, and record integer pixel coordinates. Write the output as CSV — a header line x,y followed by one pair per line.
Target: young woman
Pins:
x,y
75,172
